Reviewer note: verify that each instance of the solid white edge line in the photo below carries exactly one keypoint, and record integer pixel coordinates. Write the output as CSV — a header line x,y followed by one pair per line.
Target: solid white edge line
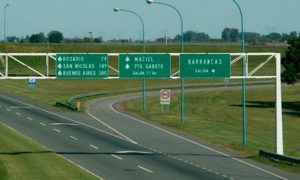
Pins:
x,y
99,130
145,169
59,155
193,142
97,119
95,147
116,157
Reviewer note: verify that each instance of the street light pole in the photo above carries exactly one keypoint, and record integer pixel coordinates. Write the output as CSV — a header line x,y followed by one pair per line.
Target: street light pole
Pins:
x,y
143,25
243,80
144,49
182,50
4,31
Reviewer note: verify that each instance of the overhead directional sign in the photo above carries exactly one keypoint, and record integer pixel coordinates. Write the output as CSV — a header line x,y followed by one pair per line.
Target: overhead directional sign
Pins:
x,y
205,65
81,66
144,65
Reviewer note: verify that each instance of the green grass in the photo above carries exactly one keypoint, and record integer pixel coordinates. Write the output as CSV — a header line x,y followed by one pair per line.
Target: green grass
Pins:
x,y
21,158
217,118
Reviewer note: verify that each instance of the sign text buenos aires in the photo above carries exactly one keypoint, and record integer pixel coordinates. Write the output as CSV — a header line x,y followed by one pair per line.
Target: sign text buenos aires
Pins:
x,y
144,65
81,66
205,65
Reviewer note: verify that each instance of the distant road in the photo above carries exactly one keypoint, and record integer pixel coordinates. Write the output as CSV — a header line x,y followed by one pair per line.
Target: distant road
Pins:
x,y
113,145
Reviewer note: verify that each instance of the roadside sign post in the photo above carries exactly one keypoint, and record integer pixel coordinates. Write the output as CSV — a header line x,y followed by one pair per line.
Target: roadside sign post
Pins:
x,y
32,82
165,98
81,66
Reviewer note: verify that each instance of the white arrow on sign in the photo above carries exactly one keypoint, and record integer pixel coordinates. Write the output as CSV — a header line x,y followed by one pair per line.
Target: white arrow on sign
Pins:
x,y
127,66
127,59
59,73
59,59
59,66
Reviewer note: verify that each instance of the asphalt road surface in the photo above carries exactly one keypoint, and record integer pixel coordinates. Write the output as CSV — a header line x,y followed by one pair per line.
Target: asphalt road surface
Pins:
x,y
113,145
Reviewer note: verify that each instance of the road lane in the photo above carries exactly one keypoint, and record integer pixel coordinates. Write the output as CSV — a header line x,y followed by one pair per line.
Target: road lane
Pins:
x,y
94,148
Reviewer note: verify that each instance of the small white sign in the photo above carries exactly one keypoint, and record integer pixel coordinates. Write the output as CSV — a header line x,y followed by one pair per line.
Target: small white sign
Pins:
x,y
165,97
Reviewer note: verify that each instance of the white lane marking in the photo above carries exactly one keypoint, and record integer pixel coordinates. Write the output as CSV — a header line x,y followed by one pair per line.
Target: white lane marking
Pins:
x,y
198,144
122,135
68,124
42,124
57,130
7,109
29,118
19,114
72,137
95,147
145,169
117,157
19,107
63,117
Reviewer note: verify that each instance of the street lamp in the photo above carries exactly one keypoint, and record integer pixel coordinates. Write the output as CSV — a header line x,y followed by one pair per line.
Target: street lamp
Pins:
x,y
143,26
181,21
144,49
243,80
5,7
182,50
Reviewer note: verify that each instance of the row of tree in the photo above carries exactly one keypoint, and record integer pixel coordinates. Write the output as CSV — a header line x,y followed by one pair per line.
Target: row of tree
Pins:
x,y
228,35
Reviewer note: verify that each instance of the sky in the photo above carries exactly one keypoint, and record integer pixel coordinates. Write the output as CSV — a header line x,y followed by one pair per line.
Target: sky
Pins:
x,y
78,17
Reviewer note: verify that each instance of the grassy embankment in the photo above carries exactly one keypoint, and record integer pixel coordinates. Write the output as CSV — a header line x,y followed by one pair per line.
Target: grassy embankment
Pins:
x,y
217,118
21,158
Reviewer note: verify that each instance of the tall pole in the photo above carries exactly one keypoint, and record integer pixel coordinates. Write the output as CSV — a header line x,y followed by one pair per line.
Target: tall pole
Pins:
x,y
244,79
4,31
144,49
182,50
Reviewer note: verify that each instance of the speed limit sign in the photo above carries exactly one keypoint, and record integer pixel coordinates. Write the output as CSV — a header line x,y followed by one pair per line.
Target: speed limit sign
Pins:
x,y
165,96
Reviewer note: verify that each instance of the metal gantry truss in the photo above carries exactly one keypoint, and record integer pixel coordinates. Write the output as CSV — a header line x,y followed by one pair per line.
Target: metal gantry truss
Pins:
x,y
33,72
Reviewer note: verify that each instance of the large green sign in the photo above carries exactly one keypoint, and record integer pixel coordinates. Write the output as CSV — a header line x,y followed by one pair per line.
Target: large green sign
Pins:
x,y
79,66
205,65
144,65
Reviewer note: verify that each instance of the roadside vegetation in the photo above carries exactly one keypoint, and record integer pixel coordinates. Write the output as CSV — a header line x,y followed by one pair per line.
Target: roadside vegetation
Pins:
x,y
21,158
217,118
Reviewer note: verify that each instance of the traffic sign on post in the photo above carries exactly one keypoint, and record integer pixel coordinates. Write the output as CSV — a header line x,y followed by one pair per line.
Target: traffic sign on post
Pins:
x,y
79,66
144,65
165,97
205,65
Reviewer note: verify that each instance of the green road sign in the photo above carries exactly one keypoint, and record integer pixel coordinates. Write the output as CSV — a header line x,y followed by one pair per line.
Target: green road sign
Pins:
x,y
144,65
79,66
205,65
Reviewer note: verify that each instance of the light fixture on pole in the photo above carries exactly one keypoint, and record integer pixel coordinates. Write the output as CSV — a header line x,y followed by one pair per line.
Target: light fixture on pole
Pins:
x,y
182,50
244,74
4,31
144,49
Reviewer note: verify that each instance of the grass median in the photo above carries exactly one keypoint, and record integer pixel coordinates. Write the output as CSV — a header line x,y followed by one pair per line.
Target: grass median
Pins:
x,y
21,158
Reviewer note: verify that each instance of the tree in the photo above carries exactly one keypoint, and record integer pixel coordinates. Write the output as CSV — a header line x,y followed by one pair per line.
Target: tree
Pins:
x,y
226,34
291,62
234,35
37,38
55,37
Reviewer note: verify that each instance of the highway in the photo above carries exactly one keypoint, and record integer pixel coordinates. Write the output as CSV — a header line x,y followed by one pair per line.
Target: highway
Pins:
x,y
113,145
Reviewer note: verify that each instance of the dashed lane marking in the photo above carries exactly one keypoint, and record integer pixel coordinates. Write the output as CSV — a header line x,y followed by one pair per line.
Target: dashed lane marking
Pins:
x,y
95,147
19,114
57,130
145,169
29,118
72,137
43,124
117,157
